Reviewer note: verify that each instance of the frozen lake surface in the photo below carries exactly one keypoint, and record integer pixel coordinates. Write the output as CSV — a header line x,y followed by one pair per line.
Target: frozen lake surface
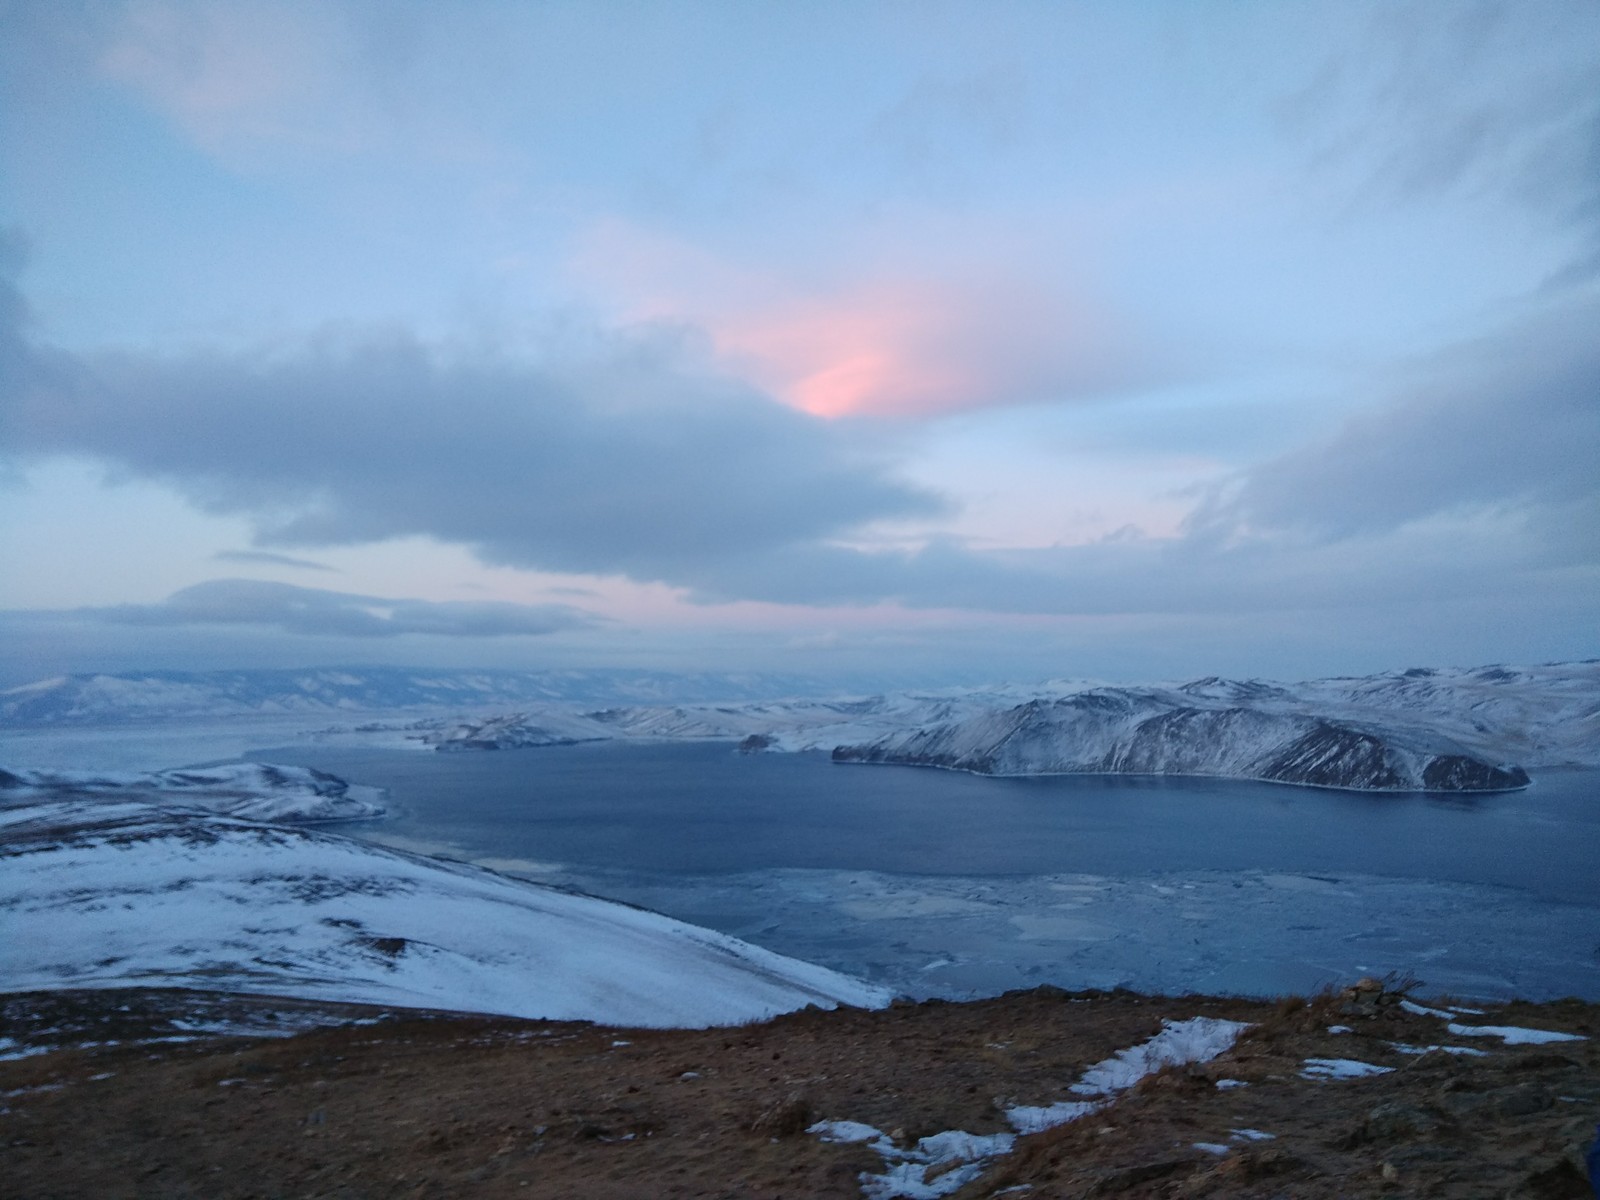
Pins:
x,y
945,884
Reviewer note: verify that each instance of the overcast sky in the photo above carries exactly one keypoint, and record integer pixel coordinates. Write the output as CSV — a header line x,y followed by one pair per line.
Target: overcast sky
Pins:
x,y
874,341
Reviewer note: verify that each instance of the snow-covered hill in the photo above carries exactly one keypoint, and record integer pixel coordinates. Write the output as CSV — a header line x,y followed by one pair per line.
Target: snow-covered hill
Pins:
x,y
1422,729
1545,716
258,791
110,892
1431,729
1151,732
777,724
163,695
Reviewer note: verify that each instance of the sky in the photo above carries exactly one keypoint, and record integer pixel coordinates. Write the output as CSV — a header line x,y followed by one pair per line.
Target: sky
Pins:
x,y
883,343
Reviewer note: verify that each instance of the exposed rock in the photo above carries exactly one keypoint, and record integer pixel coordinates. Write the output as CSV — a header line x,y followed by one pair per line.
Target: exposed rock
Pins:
x,y
1154,732
788,1117
1395,1120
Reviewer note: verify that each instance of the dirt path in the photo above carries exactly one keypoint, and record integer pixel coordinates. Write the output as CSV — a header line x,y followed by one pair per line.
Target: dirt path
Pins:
x,y
451,1107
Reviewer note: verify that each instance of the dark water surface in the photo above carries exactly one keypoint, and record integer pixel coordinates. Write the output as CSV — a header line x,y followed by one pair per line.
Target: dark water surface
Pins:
x,y
701,808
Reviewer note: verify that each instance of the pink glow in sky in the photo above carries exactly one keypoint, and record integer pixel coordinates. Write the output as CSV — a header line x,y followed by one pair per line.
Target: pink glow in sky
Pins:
x,y
876,353
731,325
870,340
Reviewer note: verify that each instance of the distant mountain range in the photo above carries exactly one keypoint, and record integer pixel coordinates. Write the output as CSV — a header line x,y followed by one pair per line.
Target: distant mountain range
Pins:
x,y
1423,729
1419,730
164,695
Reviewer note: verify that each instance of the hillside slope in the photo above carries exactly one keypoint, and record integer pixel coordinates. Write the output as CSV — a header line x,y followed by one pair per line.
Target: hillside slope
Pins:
x,y
107,892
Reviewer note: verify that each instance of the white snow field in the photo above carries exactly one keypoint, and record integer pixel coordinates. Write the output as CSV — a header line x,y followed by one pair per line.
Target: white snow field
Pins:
x,y
120,892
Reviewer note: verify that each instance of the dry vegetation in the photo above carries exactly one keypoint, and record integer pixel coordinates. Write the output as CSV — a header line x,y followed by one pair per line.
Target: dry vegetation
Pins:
x,y
436,1106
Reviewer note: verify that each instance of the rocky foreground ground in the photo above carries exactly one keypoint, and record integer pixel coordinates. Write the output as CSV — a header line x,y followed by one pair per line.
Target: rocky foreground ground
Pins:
x,y
448,1106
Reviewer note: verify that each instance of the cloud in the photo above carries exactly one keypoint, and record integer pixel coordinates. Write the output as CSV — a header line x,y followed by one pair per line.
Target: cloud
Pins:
x,y
1170,575
1508,424
924,348
1476,479
945,130
243,77
267,558
25,368
622,457
626,459
319,613
1483,100
933,318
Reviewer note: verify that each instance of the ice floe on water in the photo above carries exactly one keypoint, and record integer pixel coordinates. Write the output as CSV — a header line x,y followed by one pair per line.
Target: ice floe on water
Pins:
x,y
1250,932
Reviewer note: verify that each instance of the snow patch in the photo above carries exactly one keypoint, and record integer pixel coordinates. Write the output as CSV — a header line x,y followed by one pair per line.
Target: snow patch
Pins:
x,y
1422,1010
1465,1051
1027,1118
1341,1068
947,1162
1514,1035
1197,1040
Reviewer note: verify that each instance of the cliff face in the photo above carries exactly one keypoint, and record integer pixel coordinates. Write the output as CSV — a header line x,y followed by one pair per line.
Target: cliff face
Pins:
x,y
1151,732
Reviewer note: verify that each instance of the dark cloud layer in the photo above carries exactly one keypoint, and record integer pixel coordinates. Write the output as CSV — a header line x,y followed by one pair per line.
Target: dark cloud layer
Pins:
x,y
1477,478
321,613
625,463
1509,424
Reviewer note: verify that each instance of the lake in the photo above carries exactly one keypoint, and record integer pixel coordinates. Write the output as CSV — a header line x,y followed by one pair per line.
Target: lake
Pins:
x,y
953,884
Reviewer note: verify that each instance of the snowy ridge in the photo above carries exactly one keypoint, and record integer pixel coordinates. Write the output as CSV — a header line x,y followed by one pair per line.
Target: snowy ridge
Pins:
x,y
1417,730
257,791
1155,732
790,725
155,695
1420,729
125,892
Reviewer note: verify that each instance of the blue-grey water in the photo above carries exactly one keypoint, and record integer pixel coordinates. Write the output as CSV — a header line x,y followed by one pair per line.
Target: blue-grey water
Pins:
x,y
944,883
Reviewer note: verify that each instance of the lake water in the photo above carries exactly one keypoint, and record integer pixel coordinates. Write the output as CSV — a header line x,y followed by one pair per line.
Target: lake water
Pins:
x,y
949,884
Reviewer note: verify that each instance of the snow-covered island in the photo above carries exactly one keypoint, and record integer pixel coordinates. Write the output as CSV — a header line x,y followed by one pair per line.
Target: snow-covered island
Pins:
x,y
1149,732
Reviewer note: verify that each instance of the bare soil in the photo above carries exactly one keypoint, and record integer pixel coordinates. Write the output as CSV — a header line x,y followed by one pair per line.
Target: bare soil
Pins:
x,y
451,1106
